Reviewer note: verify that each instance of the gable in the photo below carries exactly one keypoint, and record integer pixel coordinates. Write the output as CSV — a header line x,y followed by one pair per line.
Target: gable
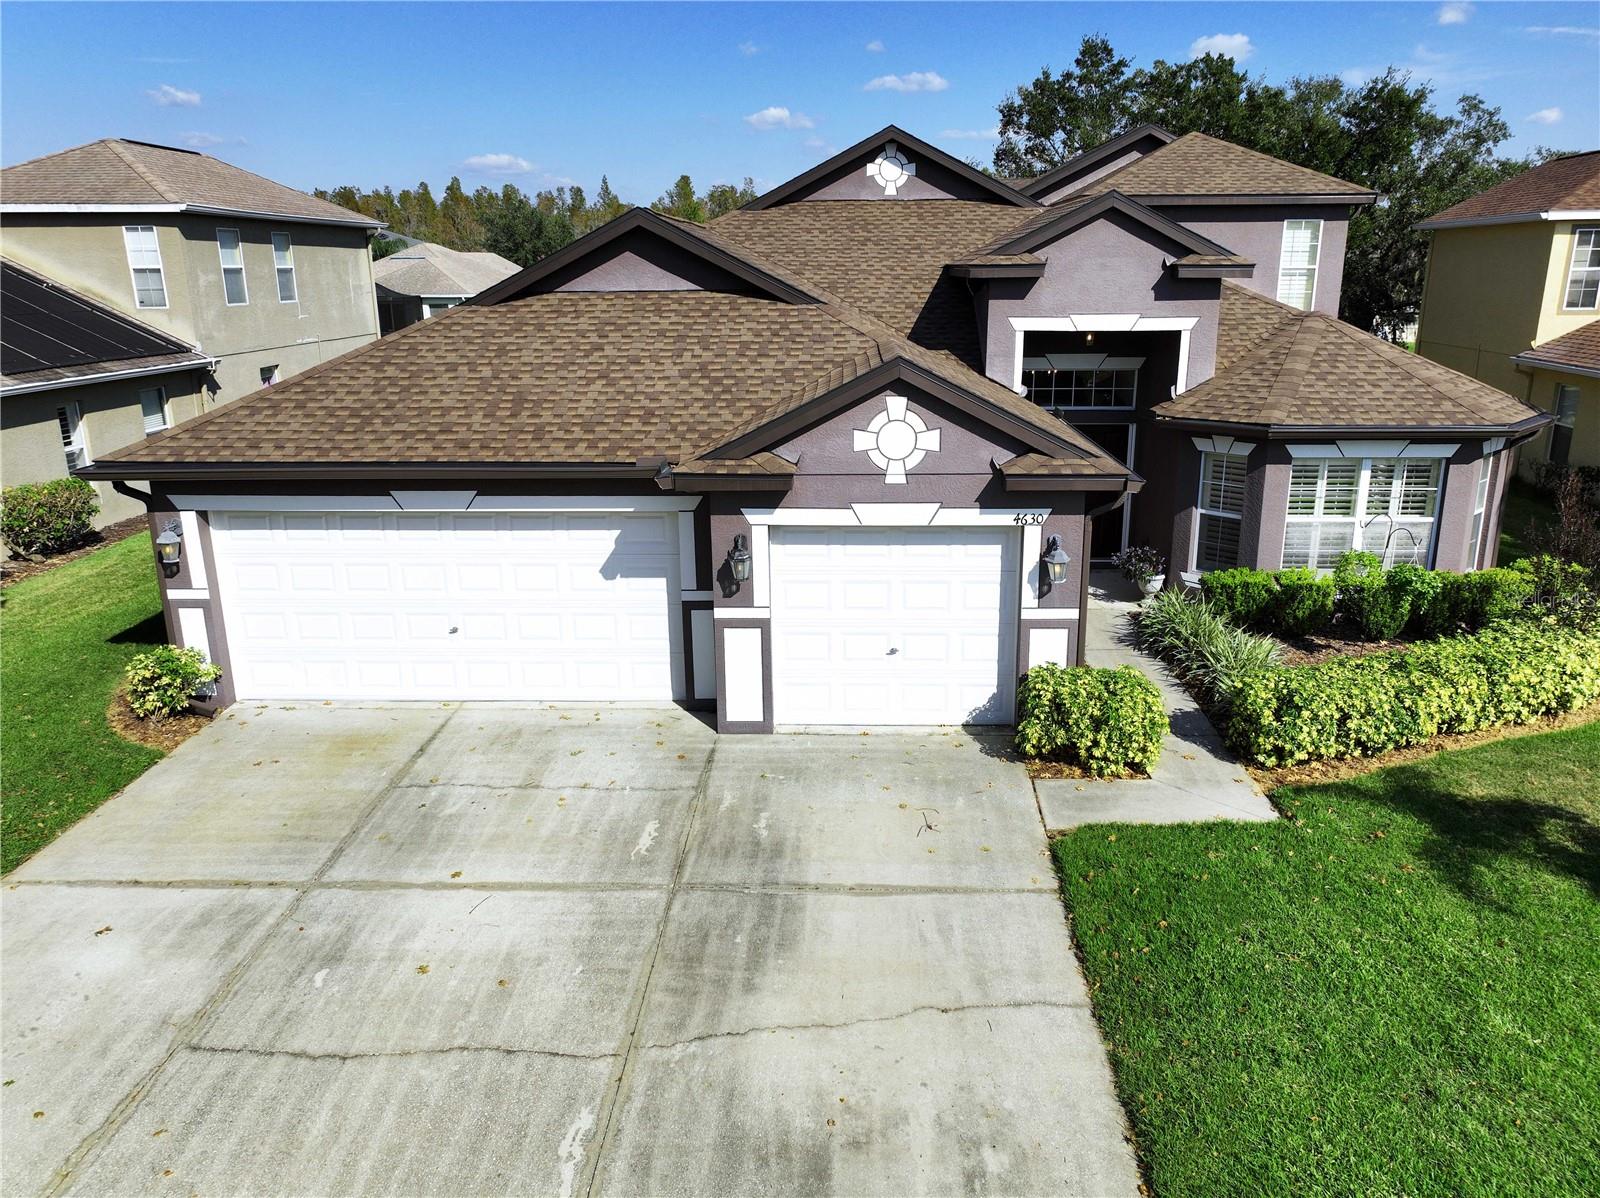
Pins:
x,y
642,261
1095,164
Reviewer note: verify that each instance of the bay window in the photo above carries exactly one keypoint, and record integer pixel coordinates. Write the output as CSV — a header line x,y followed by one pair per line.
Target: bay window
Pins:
x,y
1385,506
1221,510
1297,263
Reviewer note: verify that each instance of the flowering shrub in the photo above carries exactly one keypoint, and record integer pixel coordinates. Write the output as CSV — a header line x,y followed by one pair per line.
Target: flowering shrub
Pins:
x,y
1108,721
162,681
47,517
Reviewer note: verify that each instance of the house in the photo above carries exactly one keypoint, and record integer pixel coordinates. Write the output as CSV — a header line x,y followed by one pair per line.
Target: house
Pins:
x,y
79,378
1513,297
843,456
424,279
264,279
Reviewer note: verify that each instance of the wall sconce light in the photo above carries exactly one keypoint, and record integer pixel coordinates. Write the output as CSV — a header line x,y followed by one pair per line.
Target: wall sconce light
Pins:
x,y
1055,561
169,548
739,559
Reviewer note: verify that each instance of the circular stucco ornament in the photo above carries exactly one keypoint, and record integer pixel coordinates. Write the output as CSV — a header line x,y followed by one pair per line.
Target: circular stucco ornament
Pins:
x,y
891,169
896,439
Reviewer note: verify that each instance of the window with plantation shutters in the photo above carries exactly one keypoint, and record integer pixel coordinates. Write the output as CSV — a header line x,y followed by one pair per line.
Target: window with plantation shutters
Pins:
x,y
153,407
1222,486
74,445
1385,506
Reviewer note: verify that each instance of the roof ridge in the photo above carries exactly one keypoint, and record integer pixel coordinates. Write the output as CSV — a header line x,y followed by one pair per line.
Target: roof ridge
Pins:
x,y
115,145
99,141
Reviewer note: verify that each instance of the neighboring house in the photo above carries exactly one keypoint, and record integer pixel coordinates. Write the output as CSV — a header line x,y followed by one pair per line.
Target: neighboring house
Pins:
x,y
424,279
1513,293
265,279
78,378
841,457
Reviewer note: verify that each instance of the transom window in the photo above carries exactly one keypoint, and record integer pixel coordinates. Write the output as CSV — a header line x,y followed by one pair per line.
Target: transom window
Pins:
x,y
1222,485
283,262
232,255
153,407
144,260
1384,506
1058,382
1583,279
1297,263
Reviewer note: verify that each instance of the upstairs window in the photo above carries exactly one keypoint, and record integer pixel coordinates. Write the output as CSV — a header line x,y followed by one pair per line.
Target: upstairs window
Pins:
x,y
153,407
74,445
283,261
144,260
1222,484
1297,263
1384,506
1583,279
232,254
1063,382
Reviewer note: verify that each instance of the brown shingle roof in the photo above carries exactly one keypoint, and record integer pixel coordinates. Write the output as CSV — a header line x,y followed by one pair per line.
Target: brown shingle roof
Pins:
x,y
1313,371
114,172
1578,350
1246,319
1198,165
1570,182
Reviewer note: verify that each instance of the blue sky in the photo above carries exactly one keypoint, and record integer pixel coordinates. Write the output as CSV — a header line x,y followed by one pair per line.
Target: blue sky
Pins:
x,y
323,94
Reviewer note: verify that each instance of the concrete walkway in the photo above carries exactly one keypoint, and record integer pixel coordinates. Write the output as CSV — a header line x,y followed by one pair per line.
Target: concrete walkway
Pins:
x,y
1196,778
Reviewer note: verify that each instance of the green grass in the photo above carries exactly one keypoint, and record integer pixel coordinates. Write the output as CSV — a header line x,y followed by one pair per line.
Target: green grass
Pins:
x,y
1396,992
65,637
1525,508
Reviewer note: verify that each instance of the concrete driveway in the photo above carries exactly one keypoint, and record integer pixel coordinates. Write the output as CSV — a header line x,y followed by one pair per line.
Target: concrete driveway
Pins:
x,y
482,950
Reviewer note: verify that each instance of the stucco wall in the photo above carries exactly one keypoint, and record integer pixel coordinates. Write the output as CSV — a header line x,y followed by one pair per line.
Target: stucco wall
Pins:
x,y
1555,319
1482,298
1585,447
1257,233
642,261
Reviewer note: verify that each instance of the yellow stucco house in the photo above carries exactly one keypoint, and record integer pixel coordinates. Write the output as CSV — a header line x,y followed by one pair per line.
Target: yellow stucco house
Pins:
x,y
1513,298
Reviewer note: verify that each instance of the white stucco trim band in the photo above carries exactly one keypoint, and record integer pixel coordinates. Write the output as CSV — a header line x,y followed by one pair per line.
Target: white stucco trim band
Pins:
x,y
742,613
1221,444
1050,613
1105,322
1373,449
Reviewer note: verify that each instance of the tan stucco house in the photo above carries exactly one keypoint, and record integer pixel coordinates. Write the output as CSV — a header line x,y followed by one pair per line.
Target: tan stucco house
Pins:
x,y
1513,295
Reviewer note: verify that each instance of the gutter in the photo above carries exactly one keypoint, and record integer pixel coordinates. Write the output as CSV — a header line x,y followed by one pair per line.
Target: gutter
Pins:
x,y
108,471
364,222
1509,218
1591,372
1285,432
85,380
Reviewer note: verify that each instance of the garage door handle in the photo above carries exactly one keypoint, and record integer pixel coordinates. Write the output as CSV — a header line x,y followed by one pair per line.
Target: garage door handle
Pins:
x,y
454,630
892,652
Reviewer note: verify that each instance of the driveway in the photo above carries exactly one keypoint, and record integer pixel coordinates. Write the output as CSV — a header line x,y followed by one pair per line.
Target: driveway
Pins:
x,y
490,949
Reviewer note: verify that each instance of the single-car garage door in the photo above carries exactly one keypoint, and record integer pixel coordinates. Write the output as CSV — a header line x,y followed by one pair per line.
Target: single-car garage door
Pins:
x,y
547,605
894,625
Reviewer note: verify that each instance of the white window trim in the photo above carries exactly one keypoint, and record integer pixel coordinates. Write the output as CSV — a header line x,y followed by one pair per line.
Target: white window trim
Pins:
x,y
1373,449
1316,264
1211,445
1573,268
133,278
166,418
1361,520
223,262
78,434
1104,322
294,275
1480,510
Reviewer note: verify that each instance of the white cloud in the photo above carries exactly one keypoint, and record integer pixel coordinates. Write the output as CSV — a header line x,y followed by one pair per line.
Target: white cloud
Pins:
x,y
1565,30
498,164
1455,12
916,81
1354,76
813,143
1545,116
972,134
202,141
749,49
168,96
1236,46
875,46
779,117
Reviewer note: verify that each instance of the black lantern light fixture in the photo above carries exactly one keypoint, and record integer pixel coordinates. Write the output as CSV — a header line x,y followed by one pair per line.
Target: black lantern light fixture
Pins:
x,y
739,559
169,548
1055,561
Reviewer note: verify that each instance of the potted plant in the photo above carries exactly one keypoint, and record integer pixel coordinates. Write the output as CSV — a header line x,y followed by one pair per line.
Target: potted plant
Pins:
x,y
1142,565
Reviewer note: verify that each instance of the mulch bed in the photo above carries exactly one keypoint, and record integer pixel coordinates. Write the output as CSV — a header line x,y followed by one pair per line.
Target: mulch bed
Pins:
x,y
17,568
158,732
1311,650
1064,769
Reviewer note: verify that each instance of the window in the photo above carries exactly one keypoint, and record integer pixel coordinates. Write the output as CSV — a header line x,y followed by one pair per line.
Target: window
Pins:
x,y
1222,482
1297,263
153,406
1480,507
1058,382
73,442
1566,419
436,305
144,260
283,260
1385,506
232,254
1583,279
269,375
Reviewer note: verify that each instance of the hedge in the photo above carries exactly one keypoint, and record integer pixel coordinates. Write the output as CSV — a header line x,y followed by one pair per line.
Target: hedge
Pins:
x,y
1360,706
47,517
1107,721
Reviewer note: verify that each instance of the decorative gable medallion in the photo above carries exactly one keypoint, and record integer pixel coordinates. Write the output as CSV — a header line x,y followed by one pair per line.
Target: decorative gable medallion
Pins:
x,y
896,440
891,169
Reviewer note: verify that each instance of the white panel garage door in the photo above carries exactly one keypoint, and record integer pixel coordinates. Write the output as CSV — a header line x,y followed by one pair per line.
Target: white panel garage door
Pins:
x,y
338,605
894,625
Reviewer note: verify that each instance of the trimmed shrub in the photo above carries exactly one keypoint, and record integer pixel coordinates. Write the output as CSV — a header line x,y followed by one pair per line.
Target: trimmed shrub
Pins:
x,y
162,681
1304,602
1107,721
1205,649
1415,589
1241,595
1366,605
47,517
1473,601
1511,673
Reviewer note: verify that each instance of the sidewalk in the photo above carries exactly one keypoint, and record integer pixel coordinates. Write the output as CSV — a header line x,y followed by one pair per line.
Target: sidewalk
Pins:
x,y
1196,778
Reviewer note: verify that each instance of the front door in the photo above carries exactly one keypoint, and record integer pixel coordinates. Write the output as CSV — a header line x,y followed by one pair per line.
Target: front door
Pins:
x,y
1111,530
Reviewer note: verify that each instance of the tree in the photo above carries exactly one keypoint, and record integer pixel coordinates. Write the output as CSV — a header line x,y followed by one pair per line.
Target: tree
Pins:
x,y
382,247
521,230
680,201
725,197
1383,134
458,223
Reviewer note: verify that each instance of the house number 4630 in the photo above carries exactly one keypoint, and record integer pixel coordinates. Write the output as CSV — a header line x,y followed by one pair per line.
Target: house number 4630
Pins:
x,y
1028,518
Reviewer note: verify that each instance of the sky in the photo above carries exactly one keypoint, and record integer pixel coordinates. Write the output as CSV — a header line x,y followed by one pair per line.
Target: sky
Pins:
x,y
542,94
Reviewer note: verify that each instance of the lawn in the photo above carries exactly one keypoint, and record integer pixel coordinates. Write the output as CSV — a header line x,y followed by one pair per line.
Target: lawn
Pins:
x,y
1525,507
64,639
1395,992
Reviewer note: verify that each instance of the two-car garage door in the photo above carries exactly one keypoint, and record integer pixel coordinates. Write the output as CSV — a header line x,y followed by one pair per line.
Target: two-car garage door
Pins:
x,y
347,605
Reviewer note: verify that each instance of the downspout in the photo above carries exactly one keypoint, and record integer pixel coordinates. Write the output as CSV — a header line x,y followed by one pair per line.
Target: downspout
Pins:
x,y
133,493
1083,580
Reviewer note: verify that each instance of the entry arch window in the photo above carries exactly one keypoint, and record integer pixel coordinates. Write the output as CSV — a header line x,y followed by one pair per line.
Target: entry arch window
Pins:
x,y
1385,506
144,262
1220,510
1073,382
1297,263
1583,273
231,252
283,263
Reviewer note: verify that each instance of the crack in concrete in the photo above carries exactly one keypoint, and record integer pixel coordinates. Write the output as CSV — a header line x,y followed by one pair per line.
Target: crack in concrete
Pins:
x,y
398,1053
930,1008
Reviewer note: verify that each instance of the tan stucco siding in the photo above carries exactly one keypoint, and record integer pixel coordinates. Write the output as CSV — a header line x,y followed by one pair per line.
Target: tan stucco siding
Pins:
x,y
1585,449
1555,319
1482,298
30,435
